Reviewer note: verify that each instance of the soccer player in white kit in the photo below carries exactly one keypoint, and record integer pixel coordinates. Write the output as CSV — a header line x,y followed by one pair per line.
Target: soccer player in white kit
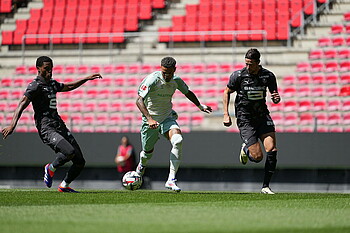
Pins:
x,y
154,101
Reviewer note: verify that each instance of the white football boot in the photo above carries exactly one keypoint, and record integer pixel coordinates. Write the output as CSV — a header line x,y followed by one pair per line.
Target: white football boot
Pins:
x,y
171,184
266,190
243,157
140,169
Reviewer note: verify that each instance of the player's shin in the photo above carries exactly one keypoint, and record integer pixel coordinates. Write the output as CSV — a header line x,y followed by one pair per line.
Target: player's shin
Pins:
x,y
145,157
270,167
175,155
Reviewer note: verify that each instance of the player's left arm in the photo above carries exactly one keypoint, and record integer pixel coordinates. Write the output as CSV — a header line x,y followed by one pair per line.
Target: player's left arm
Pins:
x,y
75,84
193,98
275,96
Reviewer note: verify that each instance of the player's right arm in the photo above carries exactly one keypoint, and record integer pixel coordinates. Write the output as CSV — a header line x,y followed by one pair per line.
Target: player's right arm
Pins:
x,y
226,102
230,88
143,109
23,104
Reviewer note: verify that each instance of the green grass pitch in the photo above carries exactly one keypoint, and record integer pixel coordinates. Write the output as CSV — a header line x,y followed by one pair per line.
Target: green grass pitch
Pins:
x,y
142,211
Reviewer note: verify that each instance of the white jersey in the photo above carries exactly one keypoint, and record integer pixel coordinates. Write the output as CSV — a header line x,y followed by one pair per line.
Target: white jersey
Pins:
x,y
158,93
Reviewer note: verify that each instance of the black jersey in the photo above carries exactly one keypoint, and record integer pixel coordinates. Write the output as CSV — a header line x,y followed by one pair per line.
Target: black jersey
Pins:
x,y
42,94
251,89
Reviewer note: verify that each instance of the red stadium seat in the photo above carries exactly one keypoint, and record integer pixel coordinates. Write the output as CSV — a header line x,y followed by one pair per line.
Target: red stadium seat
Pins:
x,y
346,119
303,66
345,78
332,91
319,105
303,91
291,119
338,41
321,118
289,79
306,119
304,105
332,78
334,118
316,54
344,53
334,105
324,42
318,78
331,66
317,66
318,91
289,92
347,16
345,91
304,79
344,66
290,106
337,28
330,53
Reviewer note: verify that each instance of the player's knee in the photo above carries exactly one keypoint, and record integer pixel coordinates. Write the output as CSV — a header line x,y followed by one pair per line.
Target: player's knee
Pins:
x,y
176,140
257,156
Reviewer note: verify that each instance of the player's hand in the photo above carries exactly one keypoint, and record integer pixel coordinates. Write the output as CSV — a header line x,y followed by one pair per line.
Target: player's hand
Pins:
x,y
7,131
94,76
275,97
205,108
227,120
153,124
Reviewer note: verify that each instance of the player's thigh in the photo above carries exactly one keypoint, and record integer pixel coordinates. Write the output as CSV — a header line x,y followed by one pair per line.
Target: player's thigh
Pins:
x,y
267,134
248,132
149,137
170,127
269,141
52,138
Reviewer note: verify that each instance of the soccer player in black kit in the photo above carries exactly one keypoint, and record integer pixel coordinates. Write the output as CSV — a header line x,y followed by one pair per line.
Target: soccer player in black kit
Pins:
x,y
253,119
51,128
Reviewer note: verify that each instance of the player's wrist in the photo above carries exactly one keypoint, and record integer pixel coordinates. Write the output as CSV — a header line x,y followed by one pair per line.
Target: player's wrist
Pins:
x,y
202,107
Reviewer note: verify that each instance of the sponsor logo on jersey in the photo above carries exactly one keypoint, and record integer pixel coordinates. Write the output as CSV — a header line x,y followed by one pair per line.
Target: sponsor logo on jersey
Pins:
x,y
143,87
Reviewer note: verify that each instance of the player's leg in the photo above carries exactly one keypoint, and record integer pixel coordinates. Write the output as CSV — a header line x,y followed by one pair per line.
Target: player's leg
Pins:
x,y
175,137
61,146
251,148
268,138
269,141
149,137
75,170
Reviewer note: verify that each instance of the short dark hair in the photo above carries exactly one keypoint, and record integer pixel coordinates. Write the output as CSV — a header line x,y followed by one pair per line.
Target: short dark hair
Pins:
x,y
168,62
42,59
253,54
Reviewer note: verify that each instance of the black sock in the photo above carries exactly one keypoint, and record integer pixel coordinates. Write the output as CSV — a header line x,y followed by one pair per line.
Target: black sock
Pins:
x,y
73,172
270,167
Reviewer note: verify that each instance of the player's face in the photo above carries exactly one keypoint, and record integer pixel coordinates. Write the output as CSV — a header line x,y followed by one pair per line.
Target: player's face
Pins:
x,y
45,70
168,73
252,66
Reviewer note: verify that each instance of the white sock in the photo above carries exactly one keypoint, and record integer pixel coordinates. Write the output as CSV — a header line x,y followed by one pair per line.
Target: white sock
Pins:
x,y
145,157
52,168
175,155
64,184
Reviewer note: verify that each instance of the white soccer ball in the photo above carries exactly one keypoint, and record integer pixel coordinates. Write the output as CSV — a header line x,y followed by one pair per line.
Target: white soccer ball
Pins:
x,y
132,180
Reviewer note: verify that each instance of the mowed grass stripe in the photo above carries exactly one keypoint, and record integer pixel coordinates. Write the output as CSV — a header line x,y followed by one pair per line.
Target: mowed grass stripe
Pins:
x,y
155,211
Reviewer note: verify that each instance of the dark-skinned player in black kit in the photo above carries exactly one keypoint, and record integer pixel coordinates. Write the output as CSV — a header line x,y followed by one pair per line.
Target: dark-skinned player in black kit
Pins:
x,y
253,117
41,92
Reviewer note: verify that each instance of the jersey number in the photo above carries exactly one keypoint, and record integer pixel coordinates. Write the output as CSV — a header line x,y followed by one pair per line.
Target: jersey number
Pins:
x,y
255,95
53,103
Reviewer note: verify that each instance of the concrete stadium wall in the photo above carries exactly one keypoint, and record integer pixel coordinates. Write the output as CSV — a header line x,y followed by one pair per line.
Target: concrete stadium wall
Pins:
x,y
201,150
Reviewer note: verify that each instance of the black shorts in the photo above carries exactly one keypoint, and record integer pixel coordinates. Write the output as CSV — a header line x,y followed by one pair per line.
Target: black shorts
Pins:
x,y
250,130
51,135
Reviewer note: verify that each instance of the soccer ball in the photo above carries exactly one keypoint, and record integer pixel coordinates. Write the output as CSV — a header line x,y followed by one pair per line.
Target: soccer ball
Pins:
x,y
132,180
